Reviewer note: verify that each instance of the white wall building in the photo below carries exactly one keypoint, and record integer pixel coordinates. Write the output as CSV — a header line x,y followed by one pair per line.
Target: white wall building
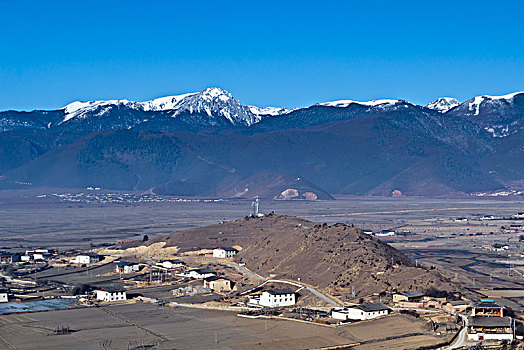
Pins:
x,y
275,298
38,256
111,295
200,273
360,312
486,328
224,252
385,233
3,297
88,258
171,264
126,267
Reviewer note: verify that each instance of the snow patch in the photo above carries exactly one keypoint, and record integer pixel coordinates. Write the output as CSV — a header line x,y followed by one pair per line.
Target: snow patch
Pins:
x,y
474,103
270,111
443,104
346,103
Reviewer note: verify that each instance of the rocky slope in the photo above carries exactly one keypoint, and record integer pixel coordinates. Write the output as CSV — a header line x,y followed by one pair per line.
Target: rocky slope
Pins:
x,y
338,256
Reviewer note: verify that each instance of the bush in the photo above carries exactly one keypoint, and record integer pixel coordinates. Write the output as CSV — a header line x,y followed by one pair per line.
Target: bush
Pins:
x,y
81,288
410,312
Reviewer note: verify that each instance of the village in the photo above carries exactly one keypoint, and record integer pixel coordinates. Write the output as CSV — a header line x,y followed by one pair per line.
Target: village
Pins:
x,y
211,279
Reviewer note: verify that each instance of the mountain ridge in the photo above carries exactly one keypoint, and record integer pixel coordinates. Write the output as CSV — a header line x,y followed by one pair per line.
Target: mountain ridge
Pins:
x,y
215,102
211,145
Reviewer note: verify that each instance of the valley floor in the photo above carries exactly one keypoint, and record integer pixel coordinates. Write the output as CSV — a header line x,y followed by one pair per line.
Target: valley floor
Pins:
x,y
131,325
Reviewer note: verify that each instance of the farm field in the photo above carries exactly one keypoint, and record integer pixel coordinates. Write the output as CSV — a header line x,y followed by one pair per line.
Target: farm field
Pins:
x,y
134,324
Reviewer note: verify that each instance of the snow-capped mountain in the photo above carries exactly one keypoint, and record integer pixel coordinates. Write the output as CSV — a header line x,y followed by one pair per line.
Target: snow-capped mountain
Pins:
x,y
501,116
216,108
443,104
493,102
211,101
199,144
372,103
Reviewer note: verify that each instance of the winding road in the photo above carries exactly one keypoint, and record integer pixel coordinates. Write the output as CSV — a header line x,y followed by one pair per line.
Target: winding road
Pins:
x,y
460,341
250,273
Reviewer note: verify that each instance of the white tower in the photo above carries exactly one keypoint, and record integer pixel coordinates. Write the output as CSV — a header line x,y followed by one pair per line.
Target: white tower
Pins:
x,y
255,206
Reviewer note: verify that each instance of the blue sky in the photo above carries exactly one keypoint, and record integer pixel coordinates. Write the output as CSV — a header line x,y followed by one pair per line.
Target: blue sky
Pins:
x,y
291,54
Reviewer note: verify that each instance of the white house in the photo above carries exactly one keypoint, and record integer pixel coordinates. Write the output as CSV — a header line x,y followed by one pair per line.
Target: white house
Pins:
x,y
361,312
171,264
275,298
487,322
385,233
224,252
38,256
486,328
126,267
200,273
218,284
87,258
461,219
3,297
111,295
498,247
411,296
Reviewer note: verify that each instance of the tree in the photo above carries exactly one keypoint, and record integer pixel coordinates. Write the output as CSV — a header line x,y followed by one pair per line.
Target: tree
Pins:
x,y
146,238
81,288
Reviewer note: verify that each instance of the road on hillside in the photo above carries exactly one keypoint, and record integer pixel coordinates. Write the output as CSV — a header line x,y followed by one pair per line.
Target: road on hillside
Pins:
x,y
460,341
245,270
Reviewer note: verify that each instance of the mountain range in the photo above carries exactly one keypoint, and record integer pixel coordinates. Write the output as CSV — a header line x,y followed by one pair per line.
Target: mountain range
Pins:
x,y
209,144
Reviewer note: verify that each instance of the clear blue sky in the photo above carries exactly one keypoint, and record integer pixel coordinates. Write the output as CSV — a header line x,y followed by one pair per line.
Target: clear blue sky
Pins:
x,y
282,53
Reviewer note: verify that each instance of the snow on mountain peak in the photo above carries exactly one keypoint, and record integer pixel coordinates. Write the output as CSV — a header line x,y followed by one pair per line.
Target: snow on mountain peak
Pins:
x,y
474,103
443,104
270,111
346,103
215,101
79,109
211,101
164,103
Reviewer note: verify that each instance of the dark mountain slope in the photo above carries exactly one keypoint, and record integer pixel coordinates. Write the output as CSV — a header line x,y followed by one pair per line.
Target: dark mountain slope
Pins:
x,y
208,144
374,154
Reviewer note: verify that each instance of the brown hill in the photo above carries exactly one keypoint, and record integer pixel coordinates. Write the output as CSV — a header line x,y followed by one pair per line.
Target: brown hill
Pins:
x,y
338,256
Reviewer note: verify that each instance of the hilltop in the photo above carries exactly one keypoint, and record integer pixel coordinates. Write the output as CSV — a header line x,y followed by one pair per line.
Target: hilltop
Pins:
x,y
337,256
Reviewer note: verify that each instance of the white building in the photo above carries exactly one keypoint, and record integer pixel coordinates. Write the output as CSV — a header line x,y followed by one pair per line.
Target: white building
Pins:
x,y
111,295
218,284
224,252
3,297
275,298
200,273
361,312
488,323
126,267
87,258
38,256
385,233
485,328
411,296
171,264
499,247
